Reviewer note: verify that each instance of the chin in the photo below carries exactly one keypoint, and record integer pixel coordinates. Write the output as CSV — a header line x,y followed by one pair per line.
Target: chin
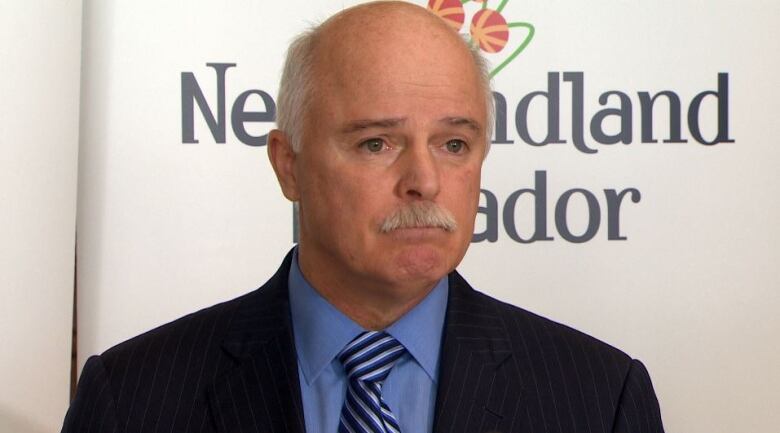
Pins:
x,y
422,263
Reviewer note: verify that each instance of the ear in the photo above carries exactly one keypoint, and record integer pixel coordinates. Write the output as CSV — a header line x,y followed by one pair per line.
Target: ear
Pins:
x,y
283,160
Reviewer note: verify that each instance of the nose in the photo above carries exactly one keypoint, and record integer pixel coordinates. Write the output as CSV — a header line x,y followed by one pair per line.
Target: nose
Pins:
x,y
419,174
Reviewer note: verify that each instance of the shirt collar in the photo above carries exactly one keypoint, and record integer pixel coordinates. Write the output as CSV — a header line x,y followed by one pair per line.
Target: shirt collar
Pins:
x,y
321,330
420,329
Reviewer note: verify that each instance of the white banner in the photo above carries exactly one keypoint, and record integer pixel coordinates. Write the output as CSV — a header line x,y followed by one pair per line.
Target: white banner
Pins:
x,y
631,191
40,45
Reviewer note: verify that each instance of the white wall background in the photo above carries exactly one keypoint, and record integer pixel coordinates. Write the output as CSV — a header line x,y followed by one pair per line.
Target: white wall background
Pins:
x,y
693,292
40,43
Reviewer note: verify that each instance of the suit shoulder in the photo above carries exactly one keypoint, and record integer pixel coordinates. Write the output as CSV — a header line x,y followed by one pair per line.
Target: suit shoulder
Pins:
x,y
560,333
163,371
205,328
201,328
541,337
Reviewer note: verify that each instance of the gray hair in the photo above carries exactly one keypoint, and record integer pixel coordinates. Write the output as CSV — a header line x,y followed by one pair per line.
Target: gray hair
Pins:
x,y
297,86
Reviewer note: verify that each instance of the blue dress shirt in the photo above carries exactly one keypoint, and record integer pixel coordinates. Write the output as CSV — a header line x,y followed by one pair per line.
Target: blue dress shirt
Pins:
x,y
321,331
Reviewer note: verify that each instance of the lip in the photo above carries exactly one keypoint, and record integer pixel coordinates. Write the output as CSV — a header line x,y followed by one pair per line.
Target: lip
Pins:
x,y
417,233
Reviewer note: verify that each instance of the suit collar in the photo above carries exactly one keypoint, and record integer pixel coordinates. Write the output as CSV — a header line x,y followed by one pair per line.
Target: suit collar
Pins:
x,y
261,316
259,390
479,383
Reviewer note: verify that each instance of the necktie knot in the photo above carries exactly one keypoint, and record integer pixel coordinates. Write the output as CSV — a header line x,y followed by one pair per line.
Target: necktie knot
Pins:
x,y
371,356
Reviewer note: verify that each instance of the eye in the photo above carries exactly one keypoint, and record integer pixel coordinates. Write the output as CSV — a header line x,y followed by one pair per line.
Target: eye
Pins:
x,y
373,145
455,146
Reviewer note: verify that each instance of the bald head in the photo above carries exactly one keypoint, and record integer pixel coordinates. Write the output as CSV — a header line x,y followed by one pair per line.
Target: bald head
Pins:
x,y
381,24
388,40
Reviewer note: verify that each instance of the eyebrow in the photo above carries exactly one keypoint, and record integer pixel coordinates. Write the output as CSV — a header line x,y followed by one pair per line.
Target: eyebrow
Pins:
x,y
361,124
462,121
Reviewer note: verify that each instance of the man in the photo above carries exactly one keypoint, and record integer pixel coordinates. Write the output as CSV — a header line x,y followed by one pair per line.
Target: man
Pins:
x,y
383,116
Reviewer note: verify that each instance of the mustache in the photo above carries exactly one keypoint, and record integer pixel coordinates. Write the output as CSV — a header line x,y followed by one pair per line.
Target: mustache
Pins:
x,y
419,215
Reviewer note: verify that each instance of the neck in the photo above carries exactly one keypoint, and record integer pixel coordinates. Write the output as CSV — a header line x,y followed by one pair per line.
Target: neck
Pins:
x,y
371,314
372,304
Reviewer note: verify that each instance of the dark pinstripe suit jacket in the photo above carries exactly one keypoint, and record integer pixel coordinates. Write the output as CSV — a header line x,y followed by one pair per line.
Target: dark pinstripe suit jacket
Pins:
x,y
233,368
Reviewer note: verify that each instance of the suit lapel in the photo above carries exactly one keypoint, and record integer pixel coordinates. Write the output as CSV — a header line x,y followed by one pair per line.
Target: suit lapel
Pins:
x,y
479,384
260,391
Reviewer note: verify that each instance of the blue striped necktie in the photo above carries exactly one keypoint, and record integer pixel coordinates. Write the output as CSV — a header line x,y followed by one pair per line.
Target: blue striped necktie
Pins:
x,y
367,361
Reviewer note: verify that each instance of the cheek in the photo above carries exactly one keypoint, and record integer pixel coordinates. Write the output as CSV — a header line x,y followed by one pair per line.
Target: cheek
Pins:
x,y
345,198
466,187
321,200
